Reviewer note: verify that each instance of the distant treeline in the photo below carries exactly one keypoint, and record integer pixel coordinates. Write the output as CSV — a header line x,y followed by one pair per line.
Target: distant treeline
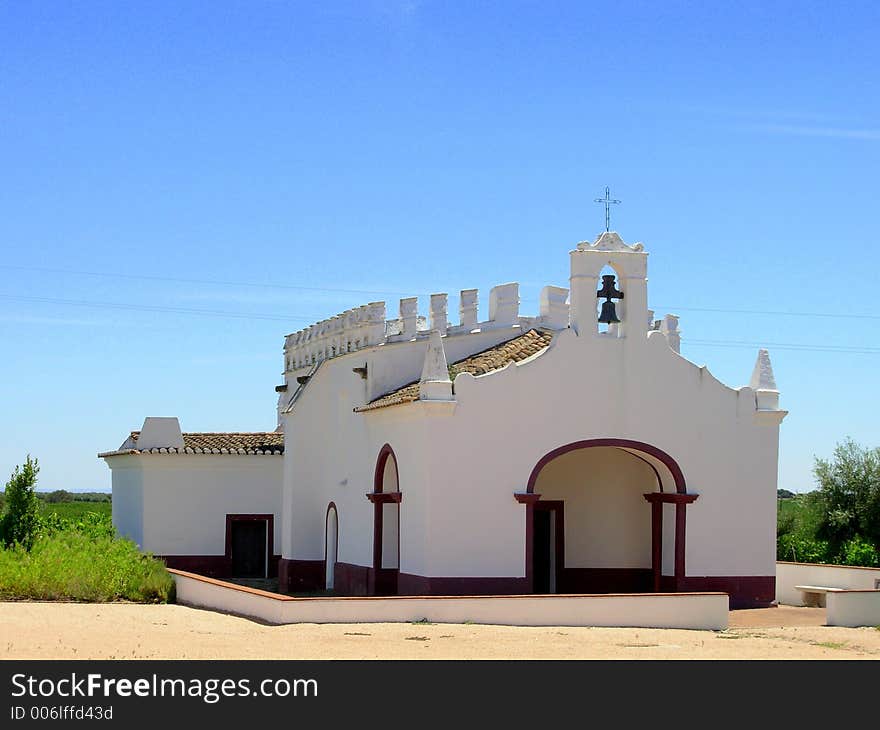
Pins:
x,y
62,495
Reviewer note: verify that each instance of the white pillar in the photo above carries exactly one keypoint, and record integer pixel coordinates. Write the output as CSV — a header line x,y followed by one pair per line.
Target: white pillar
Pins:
x,y
467,307
438,313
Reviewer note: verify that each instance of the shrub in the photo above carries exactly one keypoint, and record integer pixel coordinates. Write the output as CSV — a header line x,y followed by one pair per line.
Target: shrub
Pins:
x,y
72,565
859,551
799,549
20,521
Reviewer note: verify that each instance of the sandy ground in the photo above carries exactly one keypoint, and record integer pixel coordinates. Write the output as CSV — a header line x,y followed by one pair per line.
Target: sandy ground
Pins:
x,y
128,631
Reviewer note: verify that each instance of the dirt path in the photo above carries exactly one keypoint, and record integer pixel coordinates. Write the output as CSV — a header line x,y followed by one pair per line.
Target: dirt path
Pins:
x,y
127,631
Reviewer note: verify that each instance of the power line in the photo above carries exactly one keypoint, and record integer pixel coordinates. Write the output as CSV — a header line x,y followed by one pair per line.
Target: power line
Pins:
x,y
801,347
377,292
213,282
775,313
842,349
156,308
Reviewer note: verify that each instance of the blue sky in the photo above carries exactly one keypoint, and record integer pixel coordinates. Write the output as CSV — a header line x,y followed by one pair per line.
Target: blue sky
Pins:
x,y
284,161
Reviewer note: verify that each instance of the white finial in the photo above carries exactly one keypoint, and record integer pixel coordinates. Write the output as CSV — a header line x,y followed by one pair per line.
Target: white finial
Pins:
x,y
762,375
764,384
435,383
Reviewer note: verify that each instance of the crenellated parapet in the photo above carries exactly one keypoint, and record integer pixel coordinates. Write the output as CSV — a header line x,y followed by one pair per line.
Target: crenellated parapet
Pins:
x,y
367,326
349,331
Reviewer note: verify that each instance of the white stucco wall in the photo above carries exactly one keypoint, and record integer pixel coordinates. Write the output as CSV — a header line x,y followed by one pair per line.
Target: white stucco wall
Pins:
x,y
331,451
128,499
184,498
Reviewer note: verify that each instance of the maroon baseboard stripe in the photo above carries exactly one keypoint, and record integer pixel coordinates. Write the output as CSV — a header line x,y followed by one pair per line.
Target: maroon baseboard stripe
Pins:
x,y
213,566
360,580
605,580
419,585
296,576
746,591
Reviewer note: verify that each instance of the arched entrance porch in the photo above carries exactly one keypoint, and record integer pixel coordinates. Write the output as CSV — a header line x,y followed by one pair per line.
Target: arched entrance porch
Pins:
x,y
588,527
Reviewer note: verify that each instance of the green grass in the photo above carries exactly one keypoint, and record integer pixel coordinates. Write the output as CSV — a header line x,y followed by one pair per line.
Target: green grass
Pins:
x,y
72,565
74,510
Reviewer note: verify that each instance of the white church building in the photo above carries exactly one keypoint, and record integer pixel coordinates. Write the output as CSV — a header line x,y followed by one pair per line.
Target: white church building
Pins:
x,y
575,451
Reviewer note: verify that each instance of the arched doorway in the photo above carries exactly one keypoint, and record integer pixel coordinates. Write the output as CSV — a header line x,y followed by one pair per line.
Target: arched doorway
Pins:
x,y
331,546
588,527
386,499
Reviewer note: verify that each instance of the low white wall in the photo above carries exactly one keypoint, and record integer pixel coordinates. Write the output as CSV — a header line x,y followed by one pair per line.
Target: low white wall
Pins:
x,y
789,575
853,608
708,611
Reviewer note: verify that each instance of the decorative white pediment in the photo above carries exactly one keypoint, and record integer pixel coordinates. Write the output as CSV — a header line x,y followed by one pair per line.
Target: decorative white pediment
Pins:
x,y
610,241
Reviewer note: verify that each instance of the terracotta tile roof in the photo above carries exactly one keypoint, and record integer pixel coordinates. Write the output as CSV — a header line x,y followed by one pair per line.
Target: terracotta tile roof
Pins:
x,y
495,358
261,443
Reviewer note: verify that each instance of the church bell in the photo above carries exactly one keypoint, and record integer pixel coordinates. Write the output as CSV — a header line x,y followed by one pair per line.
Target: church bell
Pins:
x,y
608,315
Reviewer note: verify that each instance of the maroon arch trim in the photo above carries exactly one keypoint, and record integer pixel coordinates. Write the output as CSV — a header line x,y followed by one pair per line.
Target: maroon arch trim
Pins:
x,y
652,467
384,580
662,456
384,453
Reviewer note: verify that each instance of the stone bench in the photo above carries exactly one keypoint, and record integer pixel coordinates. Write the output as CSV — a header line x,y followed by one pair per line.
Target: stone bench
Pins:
x,y
815,595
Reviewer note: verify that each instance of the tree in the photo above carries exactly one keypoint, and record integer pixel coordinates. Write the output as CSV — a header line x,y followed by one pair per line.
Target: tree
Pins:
x,y
849,495
59,495
20,521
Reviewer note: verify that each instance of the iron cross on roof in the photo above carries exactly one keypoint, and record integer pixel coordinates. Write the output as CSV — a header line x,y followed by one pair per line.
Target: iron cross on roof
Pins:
x,y
609,201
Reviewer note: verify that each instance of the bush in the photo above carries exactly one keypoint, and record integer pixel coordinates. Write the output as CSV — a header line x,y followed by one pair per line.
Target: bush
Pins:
x,y
72,565
859,551
20,521
800,549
